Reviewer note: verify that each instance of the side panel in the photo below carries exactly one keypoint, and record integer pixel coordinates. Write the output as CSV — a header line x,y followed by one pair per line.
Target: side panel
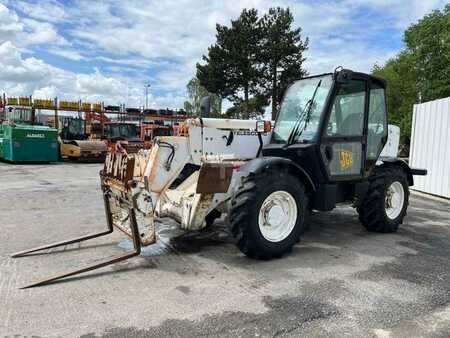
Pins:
x,y
196,144
234,144
391,147
31,150
167,159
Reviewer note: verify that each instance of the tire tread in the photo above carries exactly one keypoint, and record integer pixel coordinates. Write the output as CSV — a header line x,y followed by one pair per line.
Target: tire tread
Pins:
x,y
242,209
371,212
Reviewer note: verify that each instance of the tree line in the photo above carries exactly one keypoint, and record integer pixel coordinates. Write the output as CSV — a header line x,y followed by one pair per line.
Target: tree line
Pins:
x,y
255,58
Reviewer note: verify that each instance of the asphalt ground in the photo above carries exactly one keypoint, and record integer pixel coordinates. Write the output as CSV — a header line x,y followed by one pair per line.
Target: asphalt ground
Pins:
x,y
339,280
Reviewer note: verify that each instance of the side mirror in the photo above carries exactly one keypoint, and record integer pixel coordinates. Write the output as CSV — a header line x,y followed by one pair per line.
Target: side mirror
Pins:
x,y
205,106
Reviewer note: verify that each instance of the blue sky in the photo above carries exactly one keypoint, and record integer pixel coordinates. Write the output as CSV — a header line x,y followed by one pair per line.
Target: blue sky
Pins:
x,y
108,50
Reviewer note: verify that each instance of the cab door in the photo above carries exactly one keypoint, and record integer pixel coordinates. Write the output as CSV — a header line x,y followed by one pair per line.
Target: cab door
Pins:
x,y
343,145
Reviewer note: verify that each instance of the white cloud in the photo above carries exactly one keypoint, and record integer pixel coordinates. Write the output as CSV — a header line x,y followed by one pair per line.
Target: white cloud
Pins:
x,y
183,30
46,10
16,69
401,13
66,53
47,92
25,31
9,23
38,32
25,76
96,83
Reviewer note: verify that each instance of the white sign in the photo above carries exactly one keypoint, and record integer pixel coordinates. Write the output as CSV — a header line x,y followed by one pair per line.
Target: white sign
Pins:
x,y
35,135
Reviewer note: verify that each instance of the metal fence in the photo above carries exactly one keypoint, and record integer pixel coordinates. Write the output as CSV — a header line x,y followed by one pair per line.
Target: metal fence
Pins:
x,y
430,146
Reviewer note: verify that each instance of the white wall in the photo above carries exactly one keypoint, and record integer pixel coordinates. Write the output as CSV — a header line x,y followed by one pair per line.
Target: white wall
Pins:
x,y
430,146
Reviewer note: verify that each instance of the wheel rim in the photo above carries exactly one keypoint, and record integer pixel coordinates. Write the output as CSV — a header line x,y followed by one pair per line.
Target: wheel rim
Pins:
x,y
395,198
277,216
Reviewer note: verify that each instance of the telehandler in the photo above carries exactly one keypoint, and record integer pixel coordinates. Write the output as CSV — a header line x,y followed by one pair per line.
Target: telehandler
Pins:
x,y
330,144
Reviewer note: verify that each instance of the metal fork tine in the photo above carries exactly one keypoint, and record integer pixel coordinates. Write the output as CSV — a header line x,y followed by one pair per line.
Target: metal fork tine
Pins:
x,y
117,259
56,244
122,257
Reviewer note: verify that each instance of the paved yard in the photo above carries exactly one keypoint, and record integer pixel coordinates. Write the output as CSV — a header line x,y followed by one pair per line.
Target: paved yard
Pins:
x,y
339,281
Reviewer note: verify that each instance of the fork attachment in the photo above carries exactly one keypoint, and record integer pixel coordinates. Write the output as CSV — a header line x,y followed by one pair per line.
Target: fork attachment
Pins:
x,y
113,260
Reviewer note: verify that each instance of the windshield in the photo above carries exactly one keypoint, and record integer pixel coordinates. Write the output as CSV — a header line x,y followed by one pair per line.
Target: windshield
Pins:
x,y
121,131
76,127
72,128
294,104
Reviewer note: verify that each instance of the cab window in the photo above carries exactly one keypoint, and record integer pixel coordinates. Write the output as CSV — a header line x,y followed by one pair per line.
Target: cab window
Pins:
x,y
377,128
347,113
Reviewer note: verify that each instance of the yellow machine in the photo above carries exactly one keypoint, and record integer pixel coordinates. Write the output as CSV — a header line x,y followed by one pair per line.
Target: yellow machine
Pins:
x,y
74,143
83,150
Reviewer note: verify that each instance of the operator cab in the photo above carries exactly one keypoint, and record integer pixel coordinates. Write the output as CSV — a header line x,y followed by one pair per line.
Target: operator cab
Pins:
x,y
73,129
334,127
341,117
121,131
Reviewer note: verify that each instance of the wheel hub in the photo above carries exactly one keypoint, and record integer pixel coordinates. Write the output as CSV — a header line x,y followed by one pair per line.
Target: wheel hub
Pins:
x,y
395,198
277,216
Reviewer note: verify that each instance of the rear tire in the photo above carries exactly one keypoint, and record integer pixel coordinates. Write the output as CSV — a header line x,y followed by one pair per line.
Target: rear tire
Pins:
x,y
267,214
385,204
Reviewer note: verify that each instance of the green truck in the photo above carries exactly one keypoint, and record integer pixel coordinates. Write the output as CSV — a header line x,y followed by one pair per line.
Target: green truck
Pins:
x,y
28,143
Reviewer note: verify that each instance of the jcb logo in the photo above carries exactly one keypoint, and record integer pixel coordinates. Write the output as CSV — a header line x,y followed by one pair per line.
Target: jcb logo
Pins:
x,y
346,158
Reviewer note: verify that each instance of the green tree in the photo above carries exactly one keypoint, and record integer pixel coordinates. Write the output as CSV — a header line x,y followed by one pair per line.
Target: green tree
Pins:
x,y
281,53
421,71
401,92
195,92
254,108
231,68
428,42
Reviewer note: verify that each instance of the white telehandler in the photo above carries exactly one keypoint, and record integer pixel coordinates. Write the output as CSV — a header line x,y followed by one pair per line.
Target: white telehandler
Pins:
x,y
330,144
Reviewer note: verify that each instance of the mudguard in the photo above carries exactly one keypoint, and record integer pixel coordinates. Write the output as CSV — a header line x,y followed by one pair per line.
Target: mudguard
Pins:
x,y
410,172
261,164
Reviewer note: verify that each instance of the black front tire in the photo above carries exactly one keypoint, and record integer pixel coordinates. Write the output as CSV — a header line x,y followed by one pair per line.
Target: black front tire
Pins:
x,y
245,208
372,211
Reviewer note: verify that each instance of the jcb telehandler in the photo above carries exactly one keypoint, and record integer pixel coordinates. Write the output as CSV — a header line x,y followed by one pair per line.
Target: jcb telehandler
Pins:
x,y
330,144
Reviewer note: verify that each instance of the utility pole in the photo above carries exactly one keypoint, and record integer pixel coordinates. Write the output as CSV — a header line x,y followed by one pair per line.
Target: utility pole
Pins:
x,y
147,86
